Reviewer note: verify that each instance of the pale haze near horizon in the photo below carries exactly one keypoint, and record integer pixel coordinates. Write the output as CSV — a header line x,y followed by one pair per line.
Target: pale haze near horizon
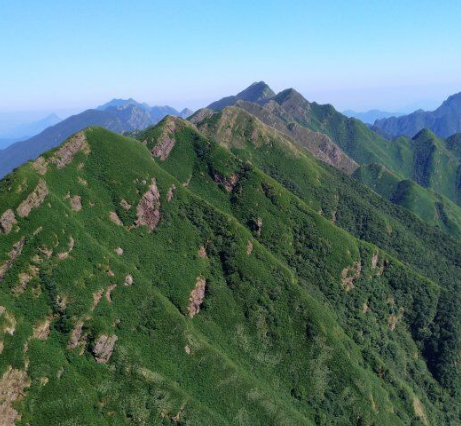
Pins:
x,y
66,57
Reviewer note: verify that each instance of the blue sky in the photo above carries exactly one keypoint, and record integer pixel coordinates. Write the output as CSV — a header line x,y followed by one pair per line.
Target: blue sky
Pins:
x,y
70,55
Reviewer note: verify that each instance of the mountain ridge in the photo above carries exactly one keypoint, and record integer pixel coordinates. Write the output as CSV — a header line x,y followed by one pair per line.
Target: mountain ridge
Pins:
x,y
119,115
141,324
444,121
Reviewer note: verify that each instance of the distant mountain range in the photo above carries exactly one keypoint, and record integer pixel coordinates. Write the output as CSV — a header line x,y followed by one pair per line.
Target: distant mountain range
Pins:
x,y
369,117
444,121
117,115
27,130
157,112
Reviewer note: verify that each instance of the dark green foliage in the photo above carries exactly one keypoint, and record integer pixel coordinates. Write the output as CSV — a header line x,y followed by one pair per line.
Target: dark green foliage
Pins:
x,y
281,337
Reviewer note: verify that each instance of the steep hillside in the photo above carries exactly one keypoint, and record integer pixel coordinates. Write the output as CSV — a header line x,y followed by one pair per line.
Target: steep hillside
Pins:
x,y
195,289
444,121
343,142
234,126
365,215
349,135
432,207
118,115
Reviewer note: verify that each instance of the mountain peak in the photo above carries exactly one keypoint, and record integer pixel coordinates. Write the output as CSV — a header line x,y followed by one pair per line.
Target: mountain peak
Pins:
x,y
257,92
120,103
424,134
292,96
453,100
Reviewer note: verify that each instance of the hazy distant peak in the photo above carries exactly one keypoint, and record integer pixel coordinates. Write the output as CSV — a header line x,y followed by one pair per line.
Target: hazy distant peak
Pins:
x,y
370,116
444,121
120,103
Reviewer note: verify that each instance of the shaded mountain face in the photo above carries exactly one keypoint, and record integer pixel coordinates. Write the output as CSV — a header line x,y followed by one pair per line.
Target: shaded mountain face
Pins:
x,y
180,280
118,115
185,113
444,121
255,93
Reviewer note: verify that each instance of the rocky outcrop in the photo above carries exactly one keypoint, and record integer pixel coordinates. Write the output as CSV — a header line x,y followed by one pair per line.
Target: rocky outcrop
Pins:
x,y
119,251
65,254
259,226
196,297
34,200
129,280
42,329
166,141
374,260
103,348
75,336
169,195
25,278
350,274
148,210
12,389
249,248
228,183
7,221
114,218
64,155
125,205
109,292
76,203
40,165
419,410
97,295
201,115
8,321
202,254
14,253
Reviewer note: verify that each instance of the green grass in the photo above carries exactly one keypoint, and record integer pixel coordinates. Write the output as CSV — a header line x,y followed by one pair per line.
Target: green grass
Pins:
x,y
278,340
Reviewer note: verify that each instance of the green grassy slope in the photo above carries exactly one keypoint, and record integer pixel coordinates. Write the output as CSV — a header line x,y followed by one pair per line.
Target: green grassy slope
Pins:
x,y
301,323
426,159
430,162
433,208
364,214
341,141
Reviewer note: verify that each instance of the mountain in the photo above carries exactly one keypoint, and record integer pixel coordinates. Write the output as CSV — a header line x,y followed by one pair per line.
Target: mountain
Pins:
x,y
185,113
246,121
432,164
117,115
184,279
369,117
444,121
27,130
258,91
7,142
121,103
157,112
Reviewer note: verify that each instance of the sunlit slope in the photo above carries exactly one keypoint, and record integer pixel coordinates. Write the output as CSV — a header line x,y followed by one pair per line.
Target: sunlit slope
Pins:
x,y
178,283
